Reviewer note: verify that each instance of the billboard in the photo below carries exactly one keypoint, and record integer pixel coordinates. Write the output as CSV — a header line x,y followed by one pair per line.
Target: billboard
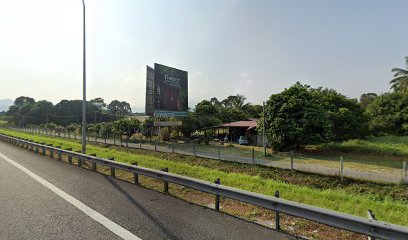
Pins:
x,y
149,91
169,96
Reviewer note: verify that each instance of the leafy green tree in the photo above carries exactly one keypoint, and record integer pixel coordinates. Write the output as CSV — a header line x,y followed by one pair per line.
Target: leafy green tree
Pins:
x,y
389,113
347,117
106,130
99,103
367,98
206,115
120,109
295,118
400,81
253,111
73,128
126,126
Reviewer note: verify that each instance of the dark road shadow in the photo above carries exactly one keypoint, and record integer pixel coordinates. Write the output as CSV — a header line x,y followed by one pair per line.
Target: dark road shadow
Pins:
x,y
141,208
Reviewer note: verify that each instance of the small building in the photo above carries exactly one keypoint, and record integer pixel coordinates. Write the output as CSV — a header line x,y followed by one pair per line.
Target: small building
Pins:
x,y
247,127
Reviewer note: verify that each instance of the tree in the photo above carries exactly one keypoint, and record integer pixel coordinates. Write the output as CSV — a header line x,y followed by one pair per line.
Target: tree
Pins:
x,y
127,127
389,113
367,98
19,112
99,103
106,130
206,115
400,81
295,118
347,118
21,101
237,101
120,109
73,128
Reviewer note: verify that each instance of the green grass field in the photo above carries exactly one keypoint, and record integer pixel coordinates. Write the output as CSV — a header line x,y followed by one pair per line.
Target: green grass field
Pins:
x,y
326,156
385,145
386,208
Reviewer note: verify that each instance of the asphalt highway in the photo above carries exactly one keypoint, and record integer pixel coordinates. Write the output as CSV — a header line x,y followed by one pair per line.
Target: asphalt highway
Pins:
x,y
42,198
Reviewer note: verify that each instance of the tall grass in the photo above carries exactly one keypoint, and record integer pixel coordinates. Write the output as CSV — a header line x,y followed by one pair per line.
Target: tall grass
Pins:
x,y
385,145
386,210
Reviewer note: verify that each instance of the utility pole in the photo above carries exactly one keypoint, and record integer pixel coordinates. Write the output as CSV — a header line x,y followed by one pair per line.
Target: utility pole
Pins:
x,y
263,130
84,91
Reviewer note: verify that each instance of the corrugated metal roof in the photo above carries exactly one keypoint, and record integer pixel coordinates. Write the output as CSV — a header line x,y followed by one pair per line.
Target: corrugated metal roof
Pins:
x,y
245,124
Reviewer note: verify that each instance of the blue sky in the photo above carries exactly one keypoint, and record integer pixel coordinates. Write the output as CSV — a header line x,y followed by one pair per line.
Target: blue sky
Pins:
x,y
255,48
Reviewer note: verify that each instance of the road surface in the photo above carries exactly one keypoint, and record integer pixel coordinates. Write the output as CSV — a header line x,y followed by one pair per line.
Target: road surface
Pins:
x,y
41,198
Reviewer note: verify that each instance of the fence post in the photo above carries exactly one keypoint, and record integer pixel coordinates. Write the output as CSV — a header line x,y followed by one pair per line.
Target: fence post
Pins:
x,y
166,183
135,175
217,197
140,142
371,216
219,152
292,155
341,168
194,149
277,216
172,146
253,155
155,145
93,163
404,172
112,168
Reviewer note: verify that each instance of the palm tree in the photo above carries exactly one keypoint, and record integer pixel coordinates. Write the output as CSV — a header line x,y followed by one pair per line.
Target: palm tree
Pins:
x,y
400,81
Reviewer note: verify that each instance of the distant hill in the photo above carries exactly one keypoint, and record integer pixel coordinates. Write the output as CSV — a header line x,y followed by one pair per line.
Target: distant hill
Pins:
x,y
5,104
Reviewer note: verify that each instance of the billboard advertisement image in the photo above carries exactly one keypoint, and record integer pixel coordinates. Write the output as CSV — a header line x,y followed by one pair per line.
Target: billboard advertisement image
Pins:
x,y
169,92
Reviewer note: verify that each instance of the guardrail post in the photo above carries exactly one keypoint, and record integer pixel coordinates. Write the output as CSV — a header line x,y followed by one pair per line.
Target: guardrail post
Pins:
x,y
51,152
166,183
43,149
113,174
135,175
93,163
292,155
69,156
79,159
217,197
371,216
59,153
404,172
253,155
341,168
277,216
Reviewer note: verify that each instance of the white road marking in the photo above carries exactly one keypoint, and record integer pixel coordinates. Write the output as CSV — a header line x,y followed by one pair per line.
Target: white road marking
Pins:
x,y
113,227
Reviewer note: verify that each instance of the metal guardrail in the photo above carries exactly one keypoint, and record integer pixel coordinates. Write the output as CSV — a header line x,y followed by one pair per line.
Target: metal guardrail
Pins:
x,y
369,227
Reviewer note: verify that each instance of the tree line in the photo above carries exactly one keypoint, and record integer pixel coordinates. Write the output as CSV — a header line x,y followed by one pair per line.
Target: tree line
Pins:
x,y
298,116
27,111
